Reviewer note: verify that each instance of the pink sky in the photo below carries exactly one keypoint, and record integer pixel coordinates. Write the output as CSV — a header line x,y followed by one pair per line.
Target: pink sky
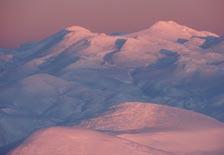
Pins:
x,y
28,20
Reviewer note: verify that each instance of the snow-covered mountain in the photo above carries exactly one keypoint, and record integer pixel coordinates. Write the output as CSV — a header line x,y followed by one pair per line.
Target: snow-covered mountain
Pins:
x,y
76,74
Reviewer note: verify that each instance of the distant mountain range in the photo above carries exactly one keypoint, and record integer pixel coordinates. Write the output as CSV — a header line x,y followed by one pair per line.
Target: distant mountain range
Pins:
x,y
75,76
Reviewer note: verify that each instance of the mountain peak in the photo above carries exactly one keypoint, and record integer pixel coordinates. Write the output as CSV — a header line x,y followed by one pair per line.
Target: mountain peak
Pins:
x,y
75,28
170,30
169,26
166,23
178,29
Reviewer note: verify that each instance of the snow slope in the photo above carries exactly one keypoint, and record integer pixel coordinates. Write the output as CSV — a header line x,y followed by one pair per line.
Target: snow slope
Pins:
x,y
79,141
132,128
170,129
137,116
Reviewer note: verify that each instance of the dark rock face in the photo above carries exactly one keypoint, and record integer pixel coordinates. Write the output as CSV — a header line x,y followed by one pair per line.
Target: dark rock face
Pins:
x,y
182,41
211,41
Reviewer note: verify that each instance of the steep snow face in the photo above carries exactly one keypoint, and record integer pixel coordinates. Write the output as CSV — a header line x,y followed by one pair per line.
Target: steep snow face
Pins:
x,y
76,73
78,141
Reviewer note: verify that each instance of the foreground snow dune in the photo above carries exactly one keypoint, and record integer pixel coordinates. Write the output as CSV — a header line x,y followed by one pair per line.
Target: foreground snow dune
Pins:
x,y
132,128
171,129
77,74
76,141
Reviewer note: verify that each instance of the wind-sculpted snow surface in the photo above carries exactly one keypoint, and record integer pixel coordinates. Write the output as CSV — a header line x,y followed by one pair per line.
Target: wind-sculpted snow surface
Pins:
x,y
132,128
76,74
137,116
180,132
79,141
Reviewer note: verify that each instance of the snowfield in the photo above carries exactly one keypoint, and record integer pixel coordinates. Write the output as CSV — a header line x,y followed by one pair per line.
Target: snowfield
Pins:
x,y
132,128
